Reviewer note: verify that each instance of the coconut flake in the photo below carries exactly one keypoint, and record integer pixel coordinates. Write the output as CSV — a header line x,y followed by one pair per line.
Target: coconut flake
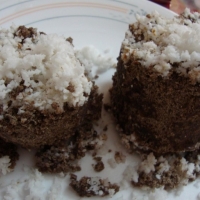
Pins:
x,y
148,165
94,61
4,165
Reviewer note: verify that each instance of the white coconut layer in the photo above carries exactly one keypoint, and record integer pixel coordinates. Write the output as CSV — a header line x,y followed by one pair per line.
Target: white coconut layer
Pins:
x,y
47,67
162,43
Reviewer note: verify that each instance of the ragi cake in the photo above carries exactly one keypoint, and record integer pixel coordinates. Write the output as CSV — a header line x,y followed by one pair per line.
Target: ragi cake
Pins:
x,y
45,95
155,97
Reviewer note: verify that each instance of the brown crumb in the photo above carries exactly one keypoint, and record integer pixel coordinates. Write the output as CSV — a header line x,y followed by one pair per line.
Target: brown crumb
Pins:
x,y
24,32
70,40
42,33
99,166
148,16
92,186
96,77
98,158
71,88
169,180
119,157
56,107
104,137
94,154
19,45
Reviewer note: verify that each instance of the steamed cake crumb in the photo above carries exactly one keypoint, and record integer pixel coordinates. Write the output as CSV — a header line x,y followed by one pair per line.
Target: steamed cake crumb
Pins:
x,y
120,157
99,165
93,186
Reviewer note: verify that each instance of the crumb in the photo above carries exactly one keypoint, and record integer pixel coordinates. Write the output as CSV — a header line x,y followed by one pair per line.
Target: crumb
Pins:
x,y
98,158
92,186
109,150
99,166
119,157
70,40
96,77
103,137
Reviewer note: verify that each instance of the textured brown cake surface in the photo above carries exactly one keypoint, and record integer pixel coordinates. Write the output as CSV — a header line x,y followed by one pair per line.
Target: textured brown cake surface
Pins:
x,y
35,128
163,114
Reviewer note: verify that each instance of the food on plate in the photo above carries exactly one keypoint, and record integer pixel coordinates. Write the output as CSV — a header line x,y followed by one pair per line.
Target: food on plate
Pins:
x,y
169,171
45,95
93,186
156,88
99,165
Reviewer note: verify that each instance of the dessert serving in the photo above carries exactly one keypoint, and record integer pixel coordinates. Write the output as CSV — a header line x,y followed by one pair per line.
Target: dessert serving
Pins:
x,y
45,95
49,104
156,89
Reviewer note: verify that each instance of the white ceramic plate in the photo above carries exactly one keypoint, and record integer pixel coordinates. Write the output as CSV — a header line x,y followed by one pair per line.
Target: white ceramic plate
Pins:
x,y
101,23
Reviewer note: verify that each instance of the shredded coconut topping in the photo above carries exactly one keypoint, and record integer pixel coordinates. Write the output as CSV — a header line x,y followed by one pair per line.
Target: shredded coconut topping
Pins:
x,y
41,70
163,44
4,165
94,61
148,165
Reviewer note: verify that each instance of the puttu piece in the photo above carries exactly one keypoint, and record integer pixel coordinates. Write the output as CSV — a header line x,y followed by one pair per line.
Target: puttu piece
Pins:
x,y
45,95
155,97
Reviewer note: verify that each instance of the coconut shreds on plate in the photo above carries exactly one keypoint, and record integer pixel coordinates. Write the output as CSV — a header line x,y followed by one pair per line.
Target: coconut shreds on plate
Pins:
x,y
94,61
